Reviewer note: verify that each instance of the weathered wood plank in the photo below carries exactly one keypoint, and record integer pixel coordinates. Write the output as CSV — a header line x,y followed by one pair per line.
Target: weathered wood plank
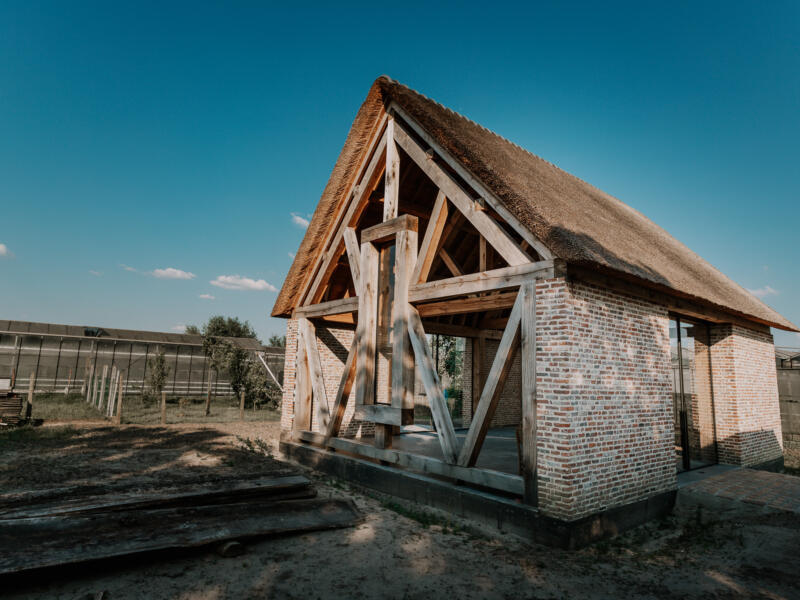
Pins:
x,y
405,255
450,263
386,231
320,396
367,325
459,306
433,388
493,385
488,478
484,281
528,466
500,240
431,240
331,307
302,386
392,175
343,393
353,256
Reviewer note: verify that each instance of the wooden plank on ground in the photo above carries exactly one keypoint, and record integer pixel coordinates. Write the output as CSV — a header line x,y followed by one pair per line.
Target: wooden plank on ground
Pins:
x,y
60,541
433,388
493,386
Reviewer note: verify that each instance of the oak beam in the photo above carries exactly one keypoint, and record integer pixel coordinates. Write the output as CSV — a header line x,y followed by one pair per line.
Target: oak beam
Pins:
x,y
493,386
459,306
326,309
386,231
484,281
302,387
450,263
367,329
353,256
405,256
392,175
528,355
431,241
433,388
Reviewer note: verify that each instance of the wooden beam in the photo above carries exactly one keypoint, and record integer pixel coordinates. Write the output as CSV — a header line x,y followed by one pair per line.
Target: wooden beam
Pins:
x,y
450,263
500,240
367,325
359,201
405,256
484,281
320,396
302,386
487,478
474,183
353,256
385,414
433,388
528,465
326,309
386,231
430,243
493,386
392,175
459,306
343,393
460,330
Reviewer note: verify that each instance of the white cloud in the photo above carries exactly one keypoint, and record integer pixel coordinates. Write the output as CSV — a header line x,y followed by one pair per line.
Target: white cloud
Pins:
x,y
299,220
170,273
291,255
5,252
237,282
179,328
206,296
763,292
127,268
96,273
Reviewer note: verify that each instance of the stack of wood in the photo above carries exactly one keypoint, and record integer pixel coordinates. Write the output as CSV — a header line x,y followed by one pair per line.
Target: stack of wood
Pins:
x,y
41,529
10,404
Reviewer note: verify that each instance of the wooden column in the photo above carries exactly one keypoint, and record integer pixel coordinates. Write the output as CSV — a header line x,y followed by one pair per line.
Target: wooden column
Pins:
x,y
208,394
163,407
366,331
320,399
402,352
302,387
31,386
241,405
120,383
528,350
103,388
392,176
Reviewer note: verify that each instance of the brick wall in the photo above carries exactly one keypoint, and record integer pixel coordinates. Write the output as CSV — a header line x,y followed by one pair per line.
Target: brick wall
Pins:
x,y
509,409
745,395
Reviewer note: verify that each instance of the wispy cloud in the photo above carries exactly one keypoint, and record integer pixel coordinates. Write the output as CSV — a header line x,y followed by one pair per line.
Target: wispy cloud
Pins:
x,y
96,273
127,268
237,282
291,255
763,292
179,328
206,296
170,273
299,220
5,252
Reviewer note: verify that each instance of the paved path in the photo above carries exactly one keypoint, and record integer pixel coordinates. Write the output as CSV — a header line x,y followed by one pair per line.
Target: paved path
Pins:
x,y
772,490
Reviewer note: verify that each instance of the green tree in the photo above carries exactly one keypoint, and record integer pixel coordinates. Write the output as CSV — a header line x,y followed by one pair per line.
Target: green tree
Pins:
x,y
226,355
157,373
192,329
277,341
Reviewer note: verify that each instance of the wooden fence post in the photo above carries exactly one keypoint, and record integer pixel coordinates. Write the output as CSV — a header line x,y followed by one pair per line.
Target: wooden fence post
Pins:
x,y
208,395
29,407
241,406
102,397
69,382
118,416
163,407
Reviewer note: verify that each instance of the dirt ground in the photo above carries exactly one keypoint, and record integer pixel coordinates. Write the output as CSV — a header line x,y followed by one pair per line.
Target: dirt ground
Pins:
x,y
400,550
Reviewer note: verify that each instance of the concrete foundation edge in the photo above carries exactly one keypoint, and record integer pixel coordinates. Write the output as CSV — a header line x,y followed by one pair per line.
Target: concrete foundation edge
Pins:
x,y
504,514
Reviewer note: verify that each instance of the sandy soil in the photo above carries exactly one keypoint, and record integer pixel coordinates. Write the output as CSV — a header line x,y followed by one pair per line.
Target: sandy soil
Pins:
x,y
399,550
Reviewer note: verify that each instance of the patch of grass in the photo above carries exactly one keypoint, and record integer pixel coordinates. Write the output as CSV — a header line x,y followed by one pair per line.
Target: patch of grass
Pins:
x,y
256,446
20,437
422,517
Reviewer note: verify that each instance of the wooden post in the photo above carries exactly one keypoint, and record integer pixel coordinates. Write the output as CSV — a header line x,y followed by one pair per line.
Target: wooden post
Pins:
x,y
528,350
302,386
208,395
103,389
88,379
402,353
94,385
118,416
111,403
241,405
392,174
69,382
366,330
31,385
163,407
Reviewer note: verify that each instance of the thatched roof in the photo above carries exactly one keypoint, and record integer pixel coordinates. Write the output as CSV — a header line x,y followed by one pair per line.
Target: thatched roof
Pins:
x,y
574,220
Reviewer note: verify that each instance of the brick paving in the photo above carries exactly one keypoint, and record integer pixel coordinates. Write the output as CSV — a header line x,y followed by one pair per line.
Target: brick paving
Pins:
x,y
772,490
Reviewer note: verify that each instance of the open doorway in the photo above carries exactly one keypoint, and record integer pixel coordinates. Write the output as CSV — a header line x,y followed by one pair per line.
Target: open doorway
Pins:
x,y
692,393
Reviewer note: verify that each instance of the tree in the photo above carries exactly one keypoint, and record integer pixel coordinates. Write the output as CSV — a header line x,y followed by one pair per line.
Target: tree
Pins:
x,y
192,329
219,326
277,341
226,355
157,373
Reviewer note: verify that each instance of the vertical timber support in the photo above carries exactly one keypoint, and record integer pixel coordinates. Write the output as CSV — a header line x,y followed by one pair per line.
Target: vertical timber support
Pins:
x,y
392,177
402,353
528,351
366,331
302,388
320,397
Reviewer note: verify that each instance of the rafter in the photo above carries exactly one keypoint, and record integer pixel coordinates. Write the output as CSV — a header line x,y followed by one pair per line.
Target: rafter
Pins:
x,y
353,256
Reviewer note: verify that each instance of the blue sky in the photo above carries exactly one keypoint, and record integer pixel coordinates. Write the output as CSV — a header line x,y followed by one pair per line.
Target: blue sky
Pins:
x,y
141,137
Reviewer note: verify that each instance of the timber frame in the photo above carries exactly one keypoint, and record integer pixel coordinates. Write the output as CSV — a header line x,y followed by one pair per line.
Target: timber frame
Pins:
x,y
416,303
